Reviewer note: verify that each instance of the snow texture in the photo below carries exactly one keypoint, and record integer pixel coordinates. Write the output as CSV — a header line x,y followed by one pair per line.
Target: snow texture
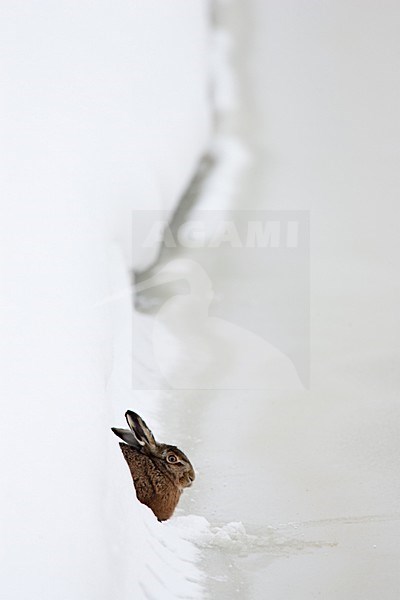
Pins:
x,y
106,111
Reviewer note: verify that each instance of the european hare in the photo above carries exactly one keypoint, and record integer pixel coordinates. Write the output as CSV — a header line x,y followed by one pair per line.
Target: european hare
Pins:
x,y
160,472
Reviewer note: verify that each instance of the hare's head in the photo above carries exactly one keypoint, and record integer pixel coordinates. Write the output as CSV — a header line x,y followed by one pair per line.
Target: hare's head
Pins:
x,y
170,460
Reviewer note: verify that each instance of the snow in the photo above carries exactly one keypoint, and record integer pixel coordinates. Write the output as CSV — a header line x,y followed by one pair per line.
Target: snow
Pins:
x,y
95,109
312,475
296,492
106,112
319,466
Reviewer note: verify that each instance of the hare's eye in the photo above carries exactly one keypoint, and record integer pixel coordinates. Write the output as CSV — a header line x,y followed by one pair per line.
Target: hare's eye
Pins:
x,y
171,458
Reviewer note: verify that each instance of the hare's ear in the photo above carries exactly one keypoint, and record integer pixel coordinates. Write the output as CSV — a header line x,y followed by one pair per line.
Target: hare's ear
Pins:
x,y
140,430
127,436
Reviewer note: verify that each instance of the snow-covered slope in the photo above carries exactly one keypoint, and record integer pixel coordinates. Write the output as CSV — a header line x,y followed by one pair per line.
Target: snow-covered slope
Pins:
x,y
105,104
105,112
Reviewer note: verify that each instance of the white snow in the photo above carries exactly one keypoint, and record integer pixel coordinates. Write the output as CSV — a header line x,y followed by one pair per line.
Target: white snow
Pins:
x,y
320,465
312,474
106,105
105,111
297,492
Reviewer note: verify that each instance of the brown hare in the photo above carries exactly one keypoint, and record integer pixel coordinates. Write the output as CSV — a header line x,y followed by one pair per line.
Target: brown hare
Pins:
x,y
160,472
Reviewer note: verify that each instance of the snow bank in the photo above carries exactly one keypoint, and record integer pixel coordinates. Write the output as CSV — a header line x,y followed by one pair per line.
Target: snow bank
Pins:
x,y
106,112
148,558
104,103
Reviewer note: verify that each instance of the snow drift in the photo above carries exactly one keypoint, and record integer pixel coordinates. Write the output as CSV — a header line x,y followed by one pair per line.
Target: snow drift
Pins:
x,y
106,112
